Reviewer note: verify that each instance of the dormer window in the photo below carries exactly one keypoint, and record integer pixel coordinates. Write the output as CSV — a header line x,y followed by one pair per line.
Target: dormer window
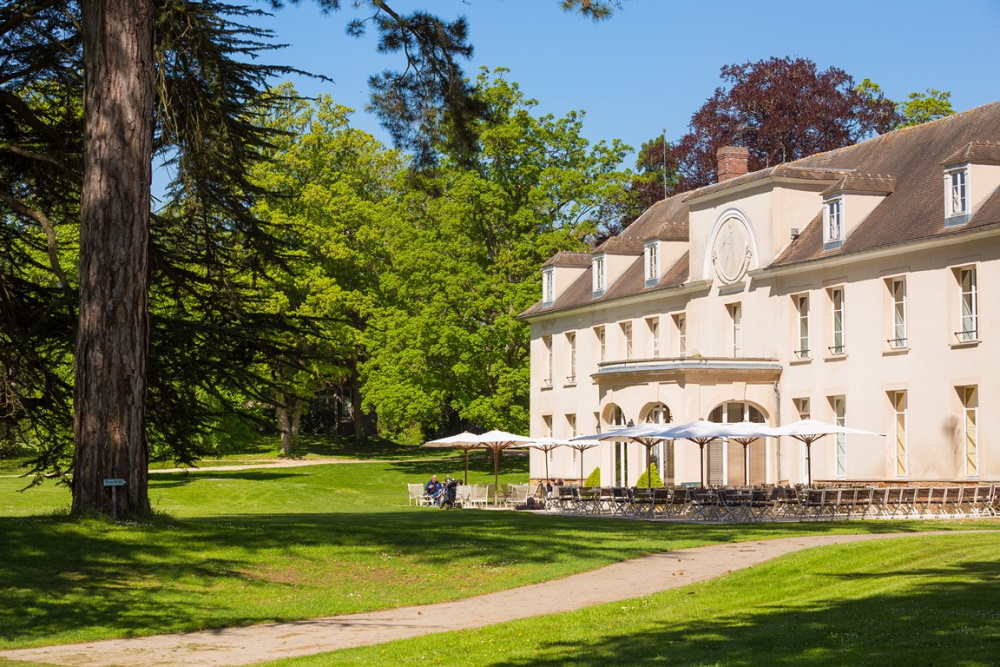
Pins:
x,y
833,221
548,285
956,195
600,271
651,262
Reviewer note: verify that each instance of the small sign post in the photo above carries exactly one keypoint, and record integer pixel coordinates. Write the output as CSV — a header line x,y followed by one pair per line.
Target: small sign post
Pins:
x,y
114,484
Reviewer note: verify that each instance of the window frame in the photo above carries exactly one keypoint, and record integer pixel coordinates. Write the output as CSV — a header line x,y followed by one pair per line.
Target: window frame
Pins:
x,y
601,334
680,326
651,263
839,408
969,398
900,430
956,179
801,304
897,313
838,321
627,330
653,328
571,344
600,277
735,311
833,220
968,304
548,285
549,360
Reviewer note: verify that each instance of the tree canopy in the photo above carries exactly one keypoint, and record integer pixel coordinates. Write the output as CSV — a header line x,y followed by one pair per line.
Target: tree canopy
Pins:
x,y
781,109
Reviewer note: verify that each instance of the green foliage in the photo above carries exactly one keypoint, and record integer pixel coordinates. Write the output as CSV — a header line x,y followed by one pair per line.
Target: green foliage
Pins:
x,y
462,257
922,108
918,108
594,478
650,477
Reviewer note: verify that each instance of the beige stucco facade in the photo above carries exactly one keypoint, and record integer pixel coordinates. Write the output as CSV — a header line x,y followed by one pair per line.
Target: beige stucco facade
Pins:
x,y
901,339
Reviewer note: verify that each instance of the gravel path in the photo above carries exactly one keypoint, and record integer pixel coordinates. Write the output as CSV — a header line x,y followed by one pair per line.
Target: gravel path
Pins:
x,y
261,643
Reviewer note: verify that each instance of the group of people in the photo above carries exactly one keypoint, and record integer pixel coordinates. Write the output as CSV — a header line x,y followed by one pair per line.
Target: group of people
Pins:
x,y
442,495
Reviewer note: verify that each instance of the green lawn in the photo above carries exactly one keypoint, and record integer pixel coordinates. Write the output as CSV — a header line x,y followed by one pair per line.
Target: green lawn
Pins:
x,y
237,548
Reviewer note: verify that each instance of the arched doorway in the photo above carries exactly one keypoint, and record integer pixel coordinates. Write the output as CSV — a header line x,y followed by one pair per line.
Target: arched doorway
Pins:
x,y
662,454
725,460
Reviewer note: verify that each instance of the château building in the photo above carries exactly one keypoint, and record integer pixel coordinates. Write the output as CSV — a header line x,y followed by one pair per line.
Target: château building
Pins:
x,y
859,286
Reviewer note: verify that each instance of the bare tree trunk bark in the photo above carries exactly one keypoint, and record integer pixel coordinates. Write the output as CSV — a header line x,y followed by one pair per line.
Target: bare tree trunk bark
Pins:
x,y
284,423
296,420
113,338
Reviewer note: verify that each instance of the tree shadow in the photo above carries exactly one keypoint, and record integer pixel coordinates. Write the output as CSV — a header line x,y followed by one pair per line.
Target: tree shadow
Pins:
x,y
948,618
61,577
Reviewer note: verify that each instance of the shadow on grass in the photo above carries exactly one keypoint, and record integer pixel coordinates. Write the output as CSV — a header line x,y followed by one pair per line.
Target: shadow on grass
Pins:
x,y
64,576
479,462
948,617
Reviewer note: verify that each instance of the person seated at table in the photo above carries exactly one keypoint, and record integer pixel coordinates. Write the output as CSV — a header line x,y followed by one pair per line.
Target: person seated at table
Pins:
x,y
434,489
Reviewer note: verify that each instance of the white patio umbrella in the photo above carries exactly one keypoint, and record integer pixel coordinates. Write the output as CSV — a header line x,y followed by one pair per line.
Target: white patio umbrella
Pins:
x,y
750,432
546,445
496,442
701,432
582,443
809,431
644,434
463,441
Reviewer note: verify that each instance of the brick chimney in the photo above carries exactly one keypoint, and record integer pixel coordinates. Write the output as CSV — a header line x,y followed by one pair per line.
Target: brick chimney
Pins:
x,y
732,162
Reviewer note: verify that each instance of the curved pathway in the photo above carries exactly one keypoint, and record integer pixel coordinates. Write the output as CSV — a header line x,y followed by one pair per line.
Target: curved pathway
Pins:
x,y
261,643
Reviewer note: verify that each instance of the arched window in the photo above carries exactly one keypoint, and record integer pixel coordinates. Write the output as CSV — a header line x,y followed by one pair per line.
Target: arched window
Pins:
x,y
616,418
658,414
725,460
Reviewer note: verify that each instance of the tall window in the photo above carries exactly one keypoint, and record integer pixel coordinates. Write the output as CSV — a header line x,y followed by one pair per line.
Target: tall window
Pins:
x,y
680,323
833,224
802,311
736,329
969,305
840,419
546,426
897,292
899,427
970,428
548,285
651,261
803,409
617,417
547,345
600,274
571,425
627,338
956,194
837,318
653,324
600,336
571,345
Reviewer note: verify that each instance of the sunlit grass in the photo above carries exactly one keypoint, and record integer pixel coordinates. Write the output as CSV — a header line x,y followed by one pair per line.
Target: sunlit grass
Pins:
x,y
235,548
912,601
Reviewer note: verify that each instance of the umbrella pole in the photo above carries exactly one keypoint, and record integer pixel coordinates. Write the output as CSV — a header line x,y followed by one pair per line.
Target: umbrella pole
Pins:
x,y
496,474
809,463
701,470
746,463
466,482
581,468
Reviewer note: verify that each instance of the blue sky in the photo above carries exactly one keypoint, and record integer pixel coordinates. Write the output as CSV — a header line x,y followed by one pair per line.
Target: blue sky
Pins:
x,y
655,62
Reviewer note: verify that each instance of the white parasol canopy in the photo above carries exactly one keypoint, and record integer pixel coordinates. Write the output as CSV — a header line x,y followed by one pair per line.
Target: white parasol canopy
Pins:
x,y
810,430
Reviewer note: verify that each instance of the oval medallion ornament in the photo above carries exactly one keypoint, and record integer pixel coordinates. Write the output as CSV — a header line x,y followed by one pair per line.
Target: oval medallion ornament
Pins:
x,y
732,252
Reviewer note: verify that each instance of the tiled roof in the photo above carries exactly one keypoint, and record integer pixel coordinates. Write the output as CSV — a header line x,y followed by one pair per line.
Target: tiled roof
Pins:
x,y
569,258
905,166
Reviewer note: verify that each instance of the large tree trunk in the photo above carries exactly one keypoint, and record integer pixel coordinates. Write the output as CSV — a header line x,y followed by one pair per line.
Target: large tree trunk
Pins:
x,y
113,337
